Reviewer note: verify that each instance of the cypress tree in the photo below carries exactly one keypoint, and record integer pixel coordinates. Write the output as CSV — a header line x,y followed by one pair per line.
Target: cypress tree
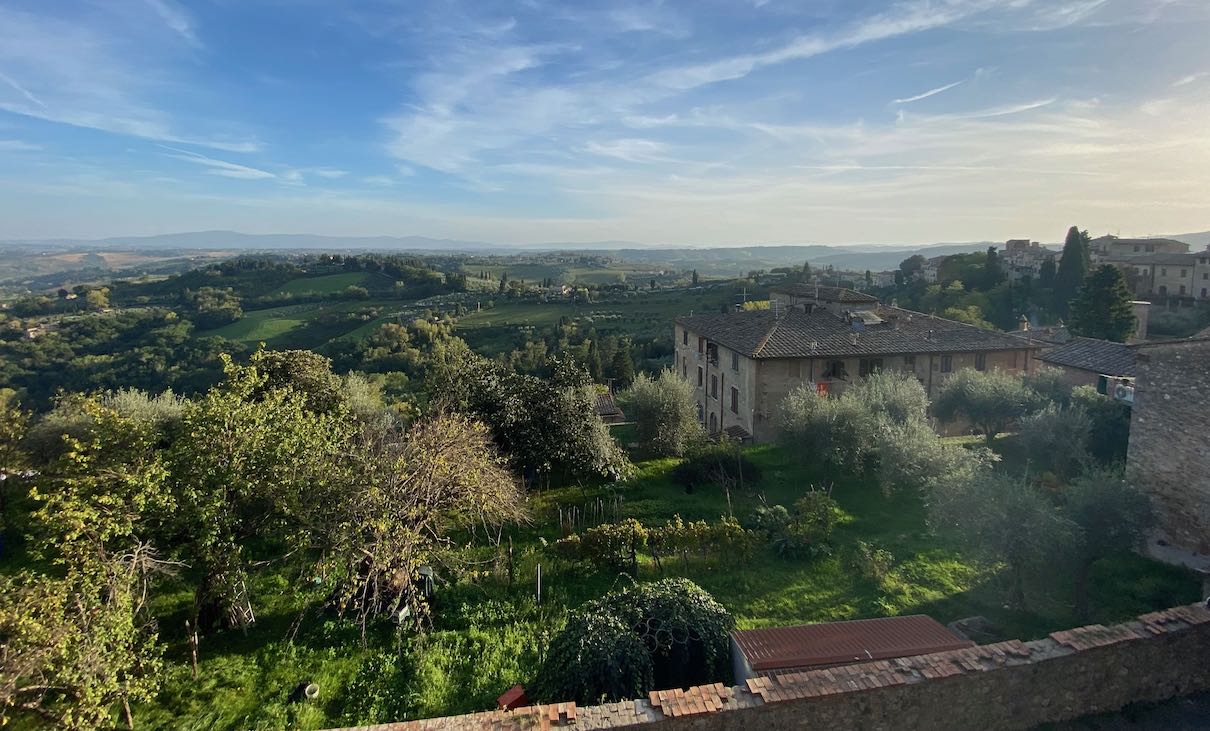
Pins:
x,y
1102,309
1073,267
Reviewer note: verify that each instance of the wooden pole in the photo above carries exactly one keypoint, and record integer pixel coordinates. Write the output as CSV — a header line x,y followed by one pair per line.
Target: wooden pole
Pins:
x,y
539,583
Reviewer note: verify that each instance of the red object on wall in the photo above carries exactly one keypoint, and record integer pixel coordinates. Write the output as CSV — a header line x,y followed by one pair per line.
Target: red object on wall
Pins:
x,y
821,388
512,698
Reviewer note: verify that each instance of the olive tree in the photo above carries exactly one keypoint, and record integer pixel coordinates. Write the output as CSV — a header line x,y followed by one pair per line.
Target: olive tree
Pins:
x,y
664,414
991,401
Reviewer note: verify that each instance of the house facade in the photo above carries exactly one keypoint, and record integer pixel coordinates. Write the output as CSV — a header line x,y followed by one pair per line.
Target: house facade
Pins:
x,y
743,364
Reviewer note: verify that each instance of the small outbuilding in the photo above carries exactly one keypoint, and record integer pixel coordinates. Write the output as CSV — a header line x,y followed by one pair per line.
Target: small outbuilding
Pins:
x,y
775,650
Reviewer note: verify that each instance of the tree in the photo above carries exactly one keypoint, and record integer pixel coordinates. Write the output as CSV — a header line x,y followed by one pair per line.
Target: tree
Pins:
x,y
990,400
1112,516
694,280
993,273
912,266
1047,273
305,372
1056,440
14,423
869,278
662,634
837,432
664,413
622,365
593,362
806,271
1110,430
971,315
1003,519
1102,309
1073,266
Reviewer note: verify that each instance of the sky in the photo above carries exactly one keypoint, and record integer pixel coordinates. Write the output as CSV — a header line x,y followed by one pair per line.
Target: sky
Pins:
x,y
704,122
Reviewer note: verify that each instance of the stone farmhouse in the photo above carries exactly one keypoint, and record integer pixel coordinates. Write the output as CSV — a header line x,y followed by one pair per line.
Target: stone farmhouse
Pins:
x,y
1161,268
743,364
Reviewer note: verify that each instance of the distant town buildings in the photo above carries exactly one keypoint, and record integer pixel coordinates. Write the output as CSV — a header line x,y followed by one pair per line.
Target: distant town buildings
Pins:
x,y
1023,258
743,364
1162,268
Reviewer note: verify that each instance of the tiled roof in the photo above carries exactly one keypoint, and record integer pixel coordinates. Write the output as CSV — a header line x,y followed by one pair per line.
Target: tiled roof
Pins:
x,y
839,643
1088,354
796,334
827,294
1158,257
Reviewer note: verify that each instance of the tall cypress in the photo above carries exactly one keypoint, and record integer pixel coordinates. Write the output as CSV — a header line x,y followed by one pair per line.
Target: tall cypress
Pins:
x,y
1103,308
1073,267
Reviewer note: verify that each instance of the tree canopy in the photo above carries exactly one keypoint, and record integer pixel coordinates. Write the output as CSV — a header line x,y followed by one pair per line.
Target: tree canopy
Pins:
x,y
1102,308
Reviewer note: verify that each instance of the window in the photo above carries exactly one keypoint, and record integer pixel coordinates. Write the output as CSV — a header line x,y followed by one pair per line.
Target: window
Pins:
x,y
734,400
947,363
700,377
1136,248
684,337
1205,275
1182,289
909,362
684,368
1203,293
714,387
734,361
1014,359
980,361
1183,273
1163,271
868,366
701,345
835,370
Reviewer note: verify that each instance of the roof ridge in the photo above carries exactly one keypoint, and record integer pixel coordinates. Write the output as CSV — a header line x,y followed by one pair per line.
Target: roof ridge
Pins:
x,y
763,341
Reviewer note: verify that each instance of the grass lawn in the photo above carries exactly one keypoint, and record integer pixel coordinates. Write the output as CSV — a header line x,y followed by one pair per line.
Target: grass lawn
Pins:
x,y
287,326
331,283
488,634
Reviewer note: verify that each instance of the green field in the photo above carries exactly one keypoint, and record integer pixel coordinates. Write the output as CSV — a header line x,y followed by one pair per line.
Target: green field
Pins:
x,y
294,326
333,283
642,315
488,634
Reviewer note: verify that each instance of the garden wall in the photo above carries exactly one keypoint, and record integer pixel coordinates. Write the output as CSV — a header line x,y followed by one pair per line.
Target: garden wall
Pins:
x,y
1008,685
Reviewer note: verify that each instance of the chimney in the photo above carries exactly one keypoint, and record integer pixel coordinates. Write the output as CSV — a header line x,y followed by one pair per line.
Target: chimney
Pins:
x,y
853,338
1023,324
929,335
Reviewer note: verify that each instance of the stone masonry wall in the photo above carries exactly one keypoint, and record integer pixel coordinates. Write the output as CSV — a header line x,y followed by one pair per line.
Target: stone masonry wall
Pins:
x,y
1007,685
1169,453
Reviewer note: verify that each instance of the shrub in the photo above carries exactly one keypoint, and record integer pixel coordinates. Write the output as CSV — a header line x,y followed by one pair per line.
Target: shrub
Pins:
x,y
839,432
870,561
990,400
716,464
614,545
802,532
1109,430
664,634
1057,440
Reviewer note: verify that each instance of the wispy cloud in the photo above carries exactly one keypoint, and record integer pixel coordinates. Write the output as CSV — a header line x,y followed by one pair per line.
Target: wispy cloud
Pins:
x,y
221,168
18,146
1190,79
176,19
927,94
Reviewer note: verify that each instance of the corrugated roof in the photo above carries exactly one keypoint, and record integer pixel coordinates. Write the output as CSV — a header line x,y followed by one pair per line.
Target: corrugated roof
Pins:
x,y
1103,357
796,334
828,294
840,643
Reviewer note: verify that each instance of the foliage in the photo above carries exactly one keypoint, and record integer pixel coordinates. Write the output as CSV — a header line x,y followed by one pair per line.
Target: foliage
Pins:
x,y
1109,434
912,457
306,373
610,545
871,561
1102,308
898,397
1112,516
663,634
405,495
990,400
78,647
1073,267
836,431
1003,519
1057,440
805,531
664,414
971,315
716,464
1050,384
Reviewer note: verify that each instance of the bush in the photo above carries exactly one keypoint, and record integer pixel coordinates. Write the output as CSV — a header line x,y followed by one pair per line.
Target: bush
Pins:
x,y
1109,430
990,400
1057,440
664,634
805,531
870,561
714,465
664,414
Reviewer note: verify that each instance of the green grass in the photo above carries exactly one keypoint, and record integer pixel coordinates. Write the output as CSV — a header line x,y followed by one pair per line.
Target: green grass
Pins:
x,y
333,283
289,326
488,634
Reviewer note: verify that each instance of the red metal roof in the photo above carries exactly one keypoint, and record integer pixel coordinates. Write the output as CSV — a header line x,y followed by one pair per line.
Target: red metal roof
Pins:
x,y
840,643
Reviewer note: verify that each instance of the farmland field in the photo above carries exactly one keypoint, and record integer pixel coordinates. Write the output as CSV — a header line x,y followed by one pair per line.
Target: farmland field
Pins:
x,y
292,326
332,283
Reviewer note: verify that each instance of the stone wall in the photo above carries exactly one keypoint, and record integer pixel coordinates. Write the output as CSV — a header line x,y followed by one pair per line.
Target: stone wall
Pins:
x,y
1169,454
1008,685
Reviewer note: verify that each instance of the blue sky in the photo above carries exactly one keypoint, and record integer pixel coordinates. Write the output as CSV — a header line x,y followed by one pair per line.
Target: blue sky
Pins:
x,y
699,122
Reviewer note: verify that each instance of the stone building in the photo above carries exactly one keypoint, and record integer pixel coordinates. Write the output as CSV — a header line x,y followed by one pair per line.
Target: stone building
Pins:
x,y
1169,454
1102,364
1107,248
744,364
1024,258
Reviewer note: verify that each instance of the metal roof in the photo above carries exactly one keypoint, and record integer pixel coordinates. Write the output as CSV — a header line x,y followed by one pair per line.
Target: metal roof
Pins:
x,y
1103,357
822,334
841,643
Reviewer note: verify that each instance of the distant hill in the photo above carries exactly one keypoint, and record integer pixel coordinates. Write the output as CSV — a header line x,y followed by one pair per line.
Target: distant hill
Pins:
x,y
1196,241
